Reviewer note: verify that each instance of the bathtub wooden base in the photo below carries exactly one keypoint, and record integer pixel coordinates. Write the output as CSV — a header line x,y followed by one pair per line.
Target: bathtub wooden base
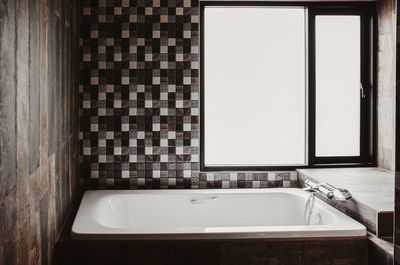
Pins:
x,y
309,251
349,251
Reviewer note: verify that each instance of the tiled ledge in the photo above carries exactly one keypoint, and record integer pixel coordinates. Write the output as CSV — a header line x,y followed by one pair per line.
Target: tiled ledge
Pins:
x,y
373,194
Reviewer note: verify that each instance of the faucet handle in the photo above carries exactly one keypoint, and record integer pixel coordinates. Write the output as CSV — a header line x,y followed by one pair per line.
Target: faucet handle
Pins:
x,y
326,189
342,194
339,193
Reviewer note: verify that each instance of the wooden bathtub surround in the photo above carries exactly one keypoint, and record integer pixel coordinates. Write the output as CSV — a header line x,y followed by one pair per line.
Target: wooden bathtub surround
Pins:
x,y
250,252
379,251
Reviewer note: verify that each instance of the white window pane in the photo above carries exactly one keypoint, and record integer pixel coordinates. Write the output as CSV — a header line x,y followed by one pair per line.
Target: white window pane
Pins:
x,y
254,86
337,85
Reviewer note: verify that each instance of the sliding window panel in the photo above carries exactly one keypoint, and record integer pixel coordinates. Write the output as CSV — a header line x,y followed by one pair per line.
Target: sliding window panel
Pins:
x,y
338,81
254,95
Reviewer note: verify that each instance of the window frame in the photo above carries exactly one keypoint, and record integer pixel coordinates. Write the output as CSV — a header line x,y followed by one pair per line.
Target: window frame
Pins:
x,y
367,13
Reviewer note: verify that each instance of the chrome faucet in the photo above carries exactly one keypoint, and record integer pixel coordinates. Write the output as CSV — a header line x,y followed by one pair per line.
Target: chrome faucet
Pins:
x,y
328,190
310,186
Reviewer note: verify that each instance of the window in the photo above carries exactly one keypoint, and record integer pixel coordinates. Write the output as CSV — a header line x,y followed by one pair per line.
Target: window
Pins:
x,y
285,86
337,80
341,81
248,98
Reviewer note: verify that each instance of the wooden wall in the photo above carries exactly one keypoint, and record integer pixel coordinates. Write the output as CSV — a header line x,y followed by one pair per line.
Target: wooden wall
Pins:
x,y
386,84
38,125
397,156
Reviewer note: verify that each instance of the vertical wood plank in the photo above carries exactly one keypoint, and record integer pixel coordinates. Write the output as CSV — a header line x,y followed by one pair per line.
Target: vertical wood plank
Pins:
x,y
44,114
386,82
22,133
67,80
8,200
7,98
8,229
43,47
52,67
57,87
34,90
57,113
44,218
63,77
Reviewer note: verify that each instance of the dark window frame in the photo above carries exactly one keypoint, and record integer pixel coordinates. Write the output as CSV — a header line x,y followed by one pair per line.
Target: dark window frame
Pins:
x,y
367,12
367,79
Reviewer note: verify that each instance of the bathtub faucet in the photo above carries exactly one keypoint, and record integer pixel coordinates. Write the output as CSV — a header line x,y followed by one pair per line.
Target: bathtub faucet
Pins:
x,y
328,190
310,186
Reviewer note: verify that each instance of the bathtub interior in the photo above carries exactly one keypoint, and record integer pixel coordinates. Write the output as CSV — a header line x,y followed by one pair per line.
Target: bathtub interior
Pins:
x,y
179,211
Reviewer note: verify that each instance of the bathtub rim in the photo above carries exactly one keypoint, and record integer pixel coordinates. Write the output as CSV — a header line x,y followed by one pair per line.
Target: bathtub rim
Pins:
x,y
352,227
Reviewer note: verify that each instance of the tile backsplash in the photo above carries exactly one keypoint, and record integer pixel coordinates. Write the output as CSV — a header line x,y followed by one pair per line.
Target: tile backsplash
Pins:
x,y
139,99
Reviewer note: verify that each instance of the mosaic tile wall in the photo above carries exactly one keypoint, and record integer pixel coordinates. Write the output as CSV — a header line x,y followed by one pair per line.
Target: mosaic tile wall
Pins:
x,y
139,96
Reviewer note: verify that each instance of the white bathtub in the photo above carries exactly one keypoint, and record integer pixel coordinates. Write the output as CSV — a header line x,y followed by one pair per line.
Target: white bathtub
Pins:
x,y
207,214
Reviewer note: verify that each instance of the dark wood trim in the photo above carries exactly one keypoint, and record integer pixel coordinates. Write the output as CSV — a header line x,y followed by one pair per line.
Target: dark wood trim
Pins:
x,y
379,251
278,168
349,251
201,78
330,4
311,87
385,224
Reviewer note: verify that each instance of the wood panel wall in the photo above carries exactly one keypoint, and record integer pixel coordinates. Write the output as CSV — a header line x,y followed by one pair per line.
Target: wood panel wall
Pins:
x,y
38,125
386,84
397,156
